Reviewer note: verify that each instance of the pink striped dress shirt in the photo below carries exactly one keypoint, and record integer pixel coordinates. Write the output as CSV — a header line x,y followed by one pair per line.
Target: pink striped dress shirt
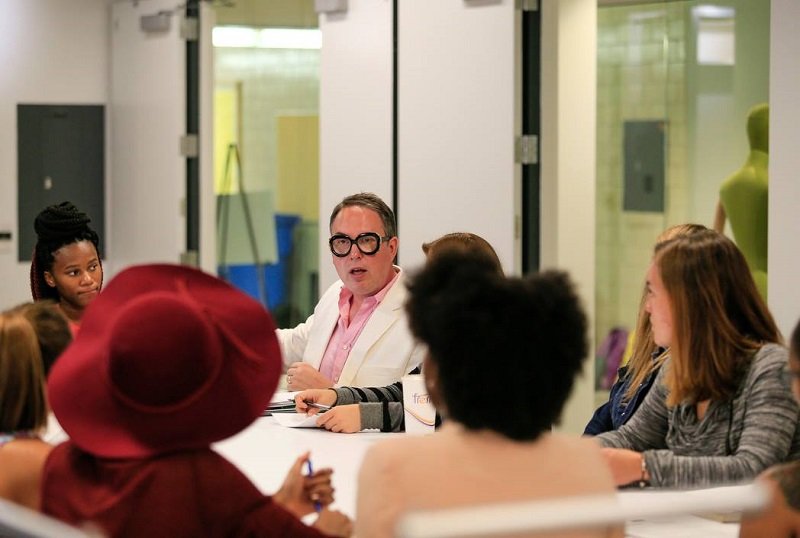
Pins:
x,y
347,330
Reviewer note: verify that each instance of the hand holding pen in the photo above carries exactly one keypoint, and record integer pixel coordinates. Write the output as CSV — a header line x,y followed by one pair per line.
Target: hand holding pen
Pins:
x,y
314,401
329,522
303,494
317,504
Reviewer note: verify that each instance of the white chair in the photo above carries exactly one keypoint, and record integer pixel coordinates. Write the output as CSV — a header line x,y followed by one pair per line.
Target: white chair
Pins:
x,y
19,521
575,513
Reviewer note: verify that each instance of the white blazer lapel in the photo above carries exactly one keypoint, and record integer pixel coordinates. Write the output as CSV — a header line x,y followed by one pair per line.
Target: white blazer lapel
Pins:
x,y
379,322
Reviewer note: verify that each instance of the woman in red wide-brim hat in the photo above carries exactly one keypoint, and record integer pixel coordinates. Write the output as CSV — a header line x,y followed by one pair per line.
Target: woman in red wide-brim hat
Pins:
x,y
169,360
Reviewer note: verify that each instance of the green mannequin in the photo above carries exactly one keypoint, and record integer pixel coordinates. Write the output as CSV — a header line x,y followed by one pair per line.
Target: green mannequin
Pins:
x,y
743,198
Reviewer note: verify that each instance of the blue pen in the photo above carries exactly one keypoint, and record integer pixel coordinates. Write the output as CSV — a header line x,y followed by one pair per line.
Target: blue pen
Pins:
x,y
317,504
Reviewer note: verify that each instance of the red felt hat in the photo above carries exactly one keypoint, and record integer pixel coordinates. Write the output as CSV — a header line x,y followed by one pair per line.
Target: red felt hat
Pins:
x,y
167,358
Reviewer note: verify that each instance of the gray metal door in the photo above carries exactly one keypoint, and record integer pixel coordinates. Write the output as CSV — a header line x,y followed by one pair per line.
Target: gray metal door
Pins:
x,y
61,156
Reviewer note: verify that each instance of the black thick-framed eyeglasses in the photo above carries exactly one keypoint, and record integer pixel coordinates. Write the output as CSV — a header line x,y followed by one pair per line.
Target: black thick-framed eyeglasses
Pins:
x,y
368,243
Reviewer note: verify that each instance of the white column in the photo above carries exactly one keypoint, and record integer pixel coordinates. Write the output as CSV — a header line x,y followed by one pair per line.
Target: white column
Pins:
x,y
457,121
569,87
355,111
784,165
148,117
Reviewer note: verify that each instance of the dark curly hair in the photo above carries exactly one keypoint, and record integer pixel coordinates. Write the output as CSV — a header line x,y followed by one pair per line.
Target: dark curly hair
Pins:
x,y
474,320
56,226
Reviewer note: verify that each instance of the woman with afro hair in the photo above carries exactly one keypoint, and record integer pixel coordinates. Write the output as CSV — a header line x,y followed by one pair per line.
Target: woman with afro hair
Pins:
x,y
503,354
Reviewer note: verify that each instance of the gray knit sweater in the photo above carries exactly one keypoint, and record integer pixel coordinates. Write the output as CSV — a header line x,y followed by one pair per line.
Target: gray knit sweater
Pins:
x,y
733,442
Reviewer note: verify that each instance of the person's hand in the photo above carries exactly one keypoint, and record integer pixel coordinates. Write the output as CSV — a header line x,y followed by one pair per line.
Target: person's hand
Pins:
x,y
300,493
320,396
302,376
778,518
333,523
341,419
625,465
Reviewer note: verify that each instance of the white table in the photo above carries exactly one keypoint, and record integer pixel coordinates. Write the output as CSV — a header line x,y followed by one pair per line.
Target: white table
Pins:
x,y
684,526
266,450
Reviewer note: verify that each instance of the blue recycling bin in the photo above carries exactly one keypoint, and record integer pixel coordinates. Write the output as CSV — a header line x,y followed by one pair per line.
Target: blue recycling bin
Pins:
x,y
276,275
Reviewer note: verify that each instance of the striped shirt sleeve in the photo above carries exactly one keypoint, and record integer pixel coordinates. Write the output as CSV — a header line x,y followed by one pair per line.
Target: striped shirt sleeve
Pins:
x,y
381,407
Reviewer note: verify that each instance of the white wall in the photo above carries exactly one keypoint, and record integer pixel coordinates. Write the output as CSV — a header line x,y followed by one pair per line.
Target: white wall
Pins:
x,y
784,178
148,116
457,121
569,59
355,111
51,52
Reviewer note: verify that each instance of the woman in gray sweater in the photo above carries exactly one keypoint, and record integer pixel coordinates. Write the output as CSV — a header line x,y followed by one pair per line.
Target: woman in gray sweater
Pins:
x,y
720,410
781,518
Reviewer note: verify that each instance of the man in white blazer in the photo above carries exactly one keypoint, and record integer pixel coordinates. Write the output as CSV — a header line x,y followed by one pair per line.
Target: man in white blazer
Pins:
x,y
358,334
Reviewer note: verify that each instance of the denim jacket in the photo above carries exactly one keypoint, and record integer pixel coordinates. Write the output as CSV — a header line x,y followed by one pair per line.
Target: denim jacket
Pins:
x,y
616,412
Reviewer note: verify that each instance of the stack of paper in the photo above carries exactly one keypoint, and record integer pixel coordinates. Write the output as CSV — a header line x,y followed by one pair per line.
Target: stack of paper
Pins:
x,y
282,402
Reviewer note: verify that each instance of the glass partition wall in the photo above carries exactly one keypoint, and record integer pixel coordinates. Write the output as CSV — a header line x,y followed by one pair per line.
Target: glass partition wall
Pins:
x,y
676,80
266,138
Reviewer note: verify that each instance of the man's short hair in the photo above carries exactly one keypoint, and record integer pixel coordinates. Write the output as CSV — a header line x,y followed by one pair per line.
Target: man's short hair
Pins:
x,y
373,202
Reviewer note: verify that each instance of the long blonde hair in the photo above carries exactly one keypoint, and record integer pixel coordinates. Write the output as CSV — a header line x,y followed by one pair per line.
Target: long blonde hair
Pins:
x,y
23,404
641,363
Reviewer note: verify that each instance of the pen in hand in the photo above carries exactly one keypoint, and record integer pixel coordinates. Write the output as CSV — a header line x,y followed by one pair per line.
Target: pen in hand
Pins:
x,y
316,405
317,504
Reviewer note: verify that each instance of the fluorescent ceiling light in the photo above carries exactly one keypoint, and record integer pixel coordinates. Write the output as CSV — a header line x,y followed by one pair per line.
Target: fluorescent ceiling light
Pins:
x,y
267,38
713,12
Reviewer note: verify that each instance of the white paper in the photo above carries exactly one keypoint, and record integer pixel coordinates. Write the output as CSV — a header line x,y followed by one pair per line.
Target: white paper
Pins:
x,y
296,420
283,396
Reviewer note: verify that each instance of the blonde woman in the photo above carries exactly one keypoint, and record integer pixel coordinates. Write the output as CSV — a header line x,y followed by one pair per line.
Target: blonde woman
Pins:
x,y
23,411
635,379
719,411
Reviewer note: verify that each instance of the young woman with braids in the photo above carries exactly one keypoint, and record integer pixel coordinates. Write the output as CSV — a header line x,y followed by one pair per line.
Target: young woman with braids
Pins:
x,y
66,264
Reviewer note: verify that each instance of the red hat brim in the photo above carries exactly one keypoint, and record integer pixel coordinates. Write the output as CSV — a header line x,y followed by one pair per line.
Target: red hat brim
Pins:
x,y
88,405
